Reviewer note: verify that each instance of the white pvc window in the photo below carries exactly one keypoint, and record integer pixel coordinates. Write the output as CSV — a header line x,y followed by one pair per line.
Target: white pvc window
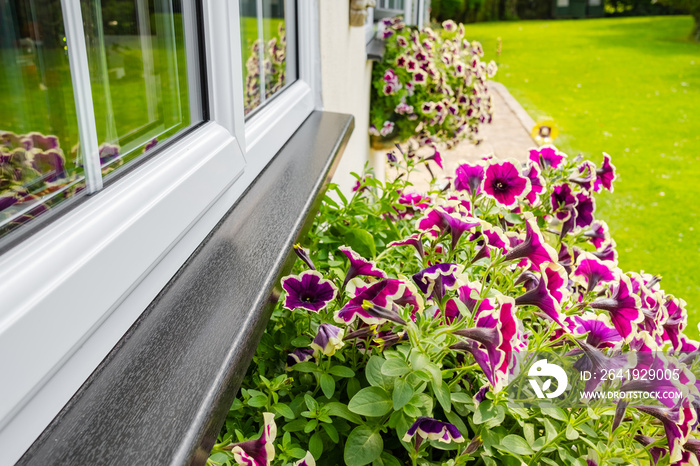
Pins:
x,y
73,288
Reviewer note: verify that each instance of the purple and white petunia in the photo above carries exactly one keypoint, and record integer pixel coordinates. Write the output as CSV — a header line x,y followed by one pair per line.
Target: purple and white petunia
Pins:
x,y
598,234
599,332
328,340
303,254
605,175
308,290
623,307
504,184
434,280
677,422
533,173
541,296
307,460
468,177
563,201
585,208
534,248
258,452
590,271
359,266
414,240
299,355
432,429
384,295
457,224
547,157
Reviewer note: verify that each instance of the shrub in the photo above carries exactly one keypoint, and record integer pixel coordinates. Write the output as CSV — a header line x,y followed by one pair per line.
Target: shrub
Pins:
x,y
419,355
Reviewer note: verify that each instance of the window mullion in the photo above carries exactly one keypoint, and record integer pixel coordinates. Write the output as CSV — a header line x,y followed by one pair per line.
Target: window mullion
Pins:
x,y
82,91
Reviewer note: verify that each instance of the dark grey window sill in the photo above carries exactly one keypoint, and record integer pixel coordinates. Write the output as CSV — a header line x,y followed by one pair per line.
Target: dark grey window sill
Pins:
x,y
162,394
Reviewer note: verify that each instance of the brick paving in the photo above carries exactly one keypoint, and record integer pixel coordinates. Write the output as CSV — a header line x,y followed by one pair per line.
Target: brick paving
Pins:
x,y
508,136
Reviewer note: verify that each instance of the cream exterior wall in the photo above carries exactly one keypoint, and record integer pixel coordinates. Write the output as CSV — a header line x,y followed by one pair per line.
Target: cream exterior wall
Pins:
x,y
345,79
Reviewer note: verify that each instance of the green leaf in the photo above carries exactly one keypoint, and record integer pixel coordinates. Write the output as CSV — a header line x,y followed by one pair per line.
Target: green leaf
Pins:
x,y
442,393
284,410
341,371
327,385
353,387
550,430
310,426
258,401
332,432
371,402
361,241
316,445
310,402
571,433
295,426
363,446
487,411
418,360
402,394
395,367
529,432
337,409
516,445
374,375
554,412
307,366
301,341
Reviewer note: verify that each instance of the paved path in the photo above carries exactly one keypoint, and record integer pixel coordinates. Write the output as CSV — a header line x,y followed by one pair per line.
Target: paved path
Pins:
x,y
508,136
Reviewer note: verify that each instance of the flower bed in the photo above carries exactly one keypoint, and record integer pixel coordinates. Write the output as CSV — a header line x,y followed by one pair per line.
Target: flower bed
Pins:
x,y
426,354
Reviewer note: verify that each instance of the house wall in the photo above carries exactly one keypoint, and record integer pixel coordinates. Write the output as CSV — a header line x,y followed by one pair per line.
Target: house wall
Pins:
x,y
345,78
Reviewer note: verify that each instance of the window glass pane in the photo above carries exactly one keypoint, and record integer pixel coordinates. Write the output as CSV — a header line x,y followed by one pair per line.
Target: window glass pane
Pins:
x,y
38,124
267,25
139,74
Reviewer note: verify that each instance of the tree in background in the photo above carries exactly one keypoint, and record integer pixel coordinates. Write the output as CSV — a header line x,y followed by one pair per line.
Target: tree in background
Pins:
x,y
692,7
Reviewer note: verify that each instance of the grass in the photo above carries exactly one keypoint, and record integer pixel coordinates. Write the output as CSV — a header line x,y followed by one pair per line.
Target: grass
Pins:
x,y
629,87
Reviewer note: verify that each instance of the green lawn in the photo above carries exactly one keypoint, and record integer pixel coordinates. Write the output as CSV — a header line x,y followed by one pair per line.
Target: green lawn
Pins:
x,y
629,87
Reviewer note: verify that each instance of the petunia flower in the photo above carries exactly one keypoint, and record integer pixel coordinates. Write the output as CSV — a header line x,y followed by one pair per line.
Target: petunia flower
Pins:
x,y
51,163
413,240
504,184
432,429
605,175
328,340
590,271
623,306
307,460
656,452
468,177
585,208
309,290
493,340
303,254
677,422
586,175
547,157
676,322
457,225
534,248
359,266
383,294
434,280
541,296
598,234
533,173
258,452
599,332
607,252
563,201
299,355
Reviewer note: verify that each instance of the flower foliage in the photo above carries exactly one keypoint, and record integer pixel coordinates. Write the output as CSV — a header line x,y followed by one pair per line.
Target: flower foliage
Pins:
x,y
399,348
431,85
273,68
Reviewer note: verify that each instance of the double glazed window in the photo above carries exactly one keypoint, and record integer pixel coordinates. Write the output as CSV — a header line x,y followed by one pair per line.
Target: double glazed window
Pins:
x,y
131,54
128,128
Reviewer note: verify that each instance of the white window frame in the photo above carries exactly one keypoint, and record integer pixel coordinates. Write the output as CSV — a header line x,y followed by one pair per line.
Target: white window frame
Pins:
x,y
73,289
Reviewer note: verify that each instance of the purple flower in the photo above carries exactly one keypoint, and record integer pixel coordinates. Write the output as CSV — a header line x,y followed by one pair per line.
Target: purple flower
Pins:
x,y
413,240
494,340
457,225
504,184
541,297
547,157
150,145
258,452
469,295
36,140
328,340
383,294
534,248
51,163
434,280
585,208
533,173
598,234
299,355
419,77
387,128
607,253
432,429
586,176
359,266
414,200
308,291
307,460
303,254
677,422
436,157
600,332
677,320
623,306
590,271
469,177
605,175
563,201
656,452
